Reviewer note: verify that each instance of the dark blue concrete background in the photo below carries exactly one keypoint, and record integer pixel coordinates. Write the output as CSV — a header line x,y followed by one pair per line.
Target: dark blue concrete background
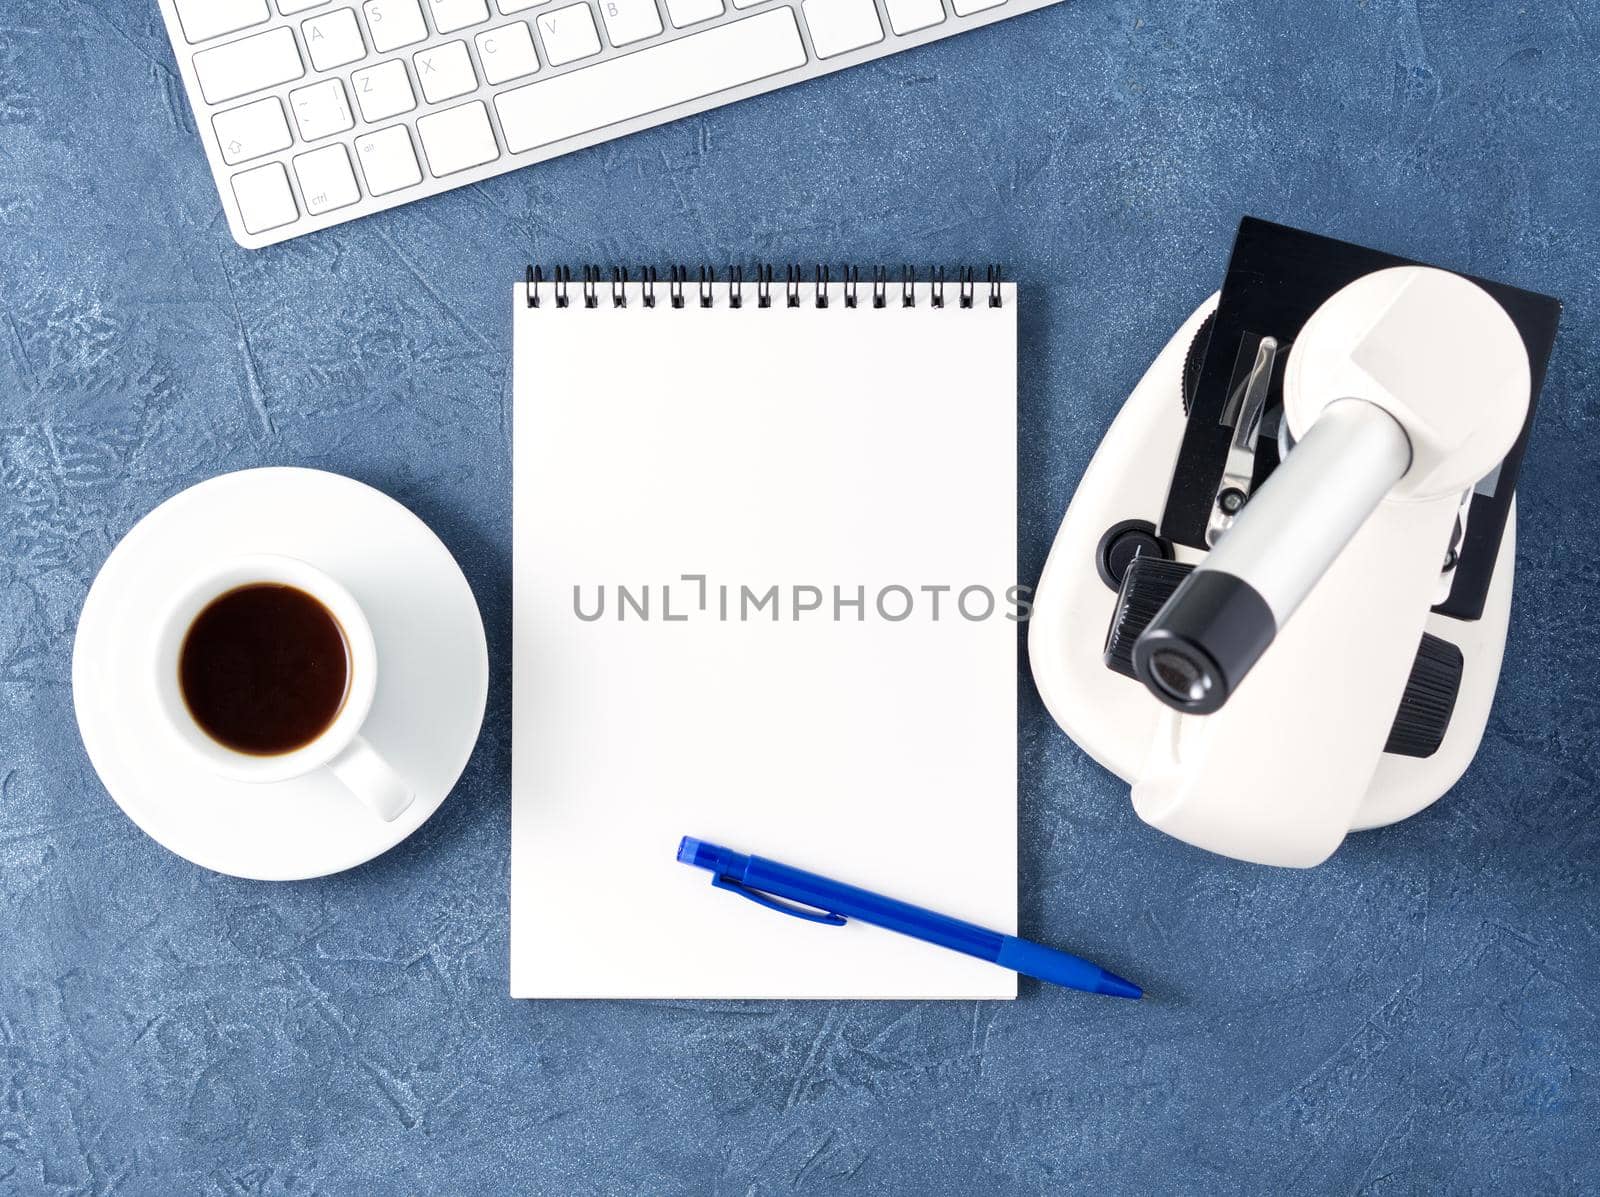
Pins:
x,y
1420,1014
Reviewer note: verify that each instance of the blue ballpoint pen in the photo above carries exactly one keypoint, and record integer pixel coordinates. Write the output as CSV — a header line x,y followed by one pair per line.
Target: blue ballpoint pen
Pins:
x,y
832,902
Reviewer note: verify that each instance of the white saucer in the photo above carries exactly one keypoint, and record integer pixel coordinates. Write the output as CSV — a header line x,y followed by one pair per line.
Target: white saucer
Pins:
x,y
433,671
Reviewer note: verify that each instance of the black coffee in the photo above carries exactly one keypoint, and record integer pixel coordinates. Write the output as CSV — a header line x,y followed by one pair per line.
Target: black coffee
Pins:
x,y
264,669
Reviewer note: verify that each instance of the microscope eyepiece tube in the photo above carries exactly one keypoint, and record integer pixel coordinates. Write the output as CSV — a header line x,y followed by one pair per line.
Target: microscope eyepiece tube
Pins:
x,y
1216,625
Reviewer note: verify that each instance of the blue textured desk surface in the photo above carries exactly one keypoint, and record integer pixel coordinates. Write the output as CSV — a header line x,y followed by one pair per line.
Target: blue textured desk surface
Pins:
x,y
1419,1014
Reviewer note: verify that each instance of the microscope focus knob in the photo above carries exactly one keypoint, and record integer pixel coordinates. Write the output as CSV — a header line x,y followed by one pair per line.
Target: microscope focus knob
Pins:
x,y
1194,360
1147,584
1124,543
1429,699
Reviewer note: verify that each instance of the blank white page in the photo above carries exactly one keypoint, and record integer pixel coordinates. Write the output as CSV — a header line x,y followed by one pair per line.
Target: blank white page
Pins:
x,y
695,458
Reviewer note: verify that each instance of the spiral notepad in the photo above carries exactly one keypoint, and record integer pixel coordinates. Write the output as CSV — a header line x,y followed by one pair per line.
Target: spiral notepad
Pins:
x,y
764,594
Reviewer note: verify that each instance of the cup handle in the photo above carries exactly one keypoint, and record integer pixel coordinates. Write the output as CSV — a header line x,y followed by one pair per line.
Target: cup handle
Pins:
x,y
369,777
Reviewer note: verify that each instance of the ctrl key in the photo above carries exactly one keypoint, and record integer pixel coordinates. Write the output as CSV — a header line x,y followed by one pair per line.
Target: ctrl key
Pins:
x,y
326,181
387,160
265,201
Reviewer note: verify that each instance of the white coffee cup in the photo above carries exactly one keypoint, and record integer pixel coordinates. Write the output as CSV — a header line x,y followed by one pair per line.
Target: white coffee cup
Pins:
x,y
339,748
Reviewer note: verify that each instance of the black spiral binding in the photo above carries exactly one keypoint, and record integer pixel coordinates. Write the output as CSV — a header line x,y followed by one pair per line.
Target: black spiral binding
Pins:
x,y
560,288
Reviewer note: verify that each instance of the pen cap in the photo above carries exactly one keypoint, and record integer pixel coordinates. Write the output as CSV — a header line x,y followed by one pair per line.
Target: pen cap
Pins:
x,y
711,856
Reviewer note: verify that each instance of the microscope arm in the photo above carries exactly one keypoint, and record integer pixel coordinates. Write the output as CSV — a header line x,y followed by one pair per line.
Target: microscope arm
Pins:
x,y
1217,624
1279,774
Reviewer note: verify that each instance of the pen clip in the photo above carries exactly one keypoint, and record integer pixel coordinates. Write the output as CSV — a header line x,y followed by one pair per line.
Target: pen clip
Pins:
x,y
767,900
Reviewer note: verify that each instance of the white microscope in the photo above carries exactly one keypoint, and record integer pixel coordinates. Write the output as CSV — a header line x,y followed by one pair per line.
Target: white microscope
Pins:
x,y
1278,601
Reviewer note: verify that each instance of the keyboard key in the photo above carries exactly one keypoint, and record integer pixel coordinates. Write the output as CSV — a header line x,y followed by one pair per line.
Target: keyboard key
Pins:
x,y
458,138
326,180
445,71
265,201
840,25
747,3
450,15
383,91
333,39
388,161
507,7
205,19
687,12
649,80
394,23
630,20
248,65
289,7
908,16
321,109
569,34
965,8
507,52
251,131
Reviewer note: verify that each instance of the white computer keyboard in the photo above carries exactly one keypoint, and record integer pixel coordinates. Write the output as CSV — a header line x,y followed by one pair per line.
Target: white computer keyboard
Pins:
x,y
314,112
